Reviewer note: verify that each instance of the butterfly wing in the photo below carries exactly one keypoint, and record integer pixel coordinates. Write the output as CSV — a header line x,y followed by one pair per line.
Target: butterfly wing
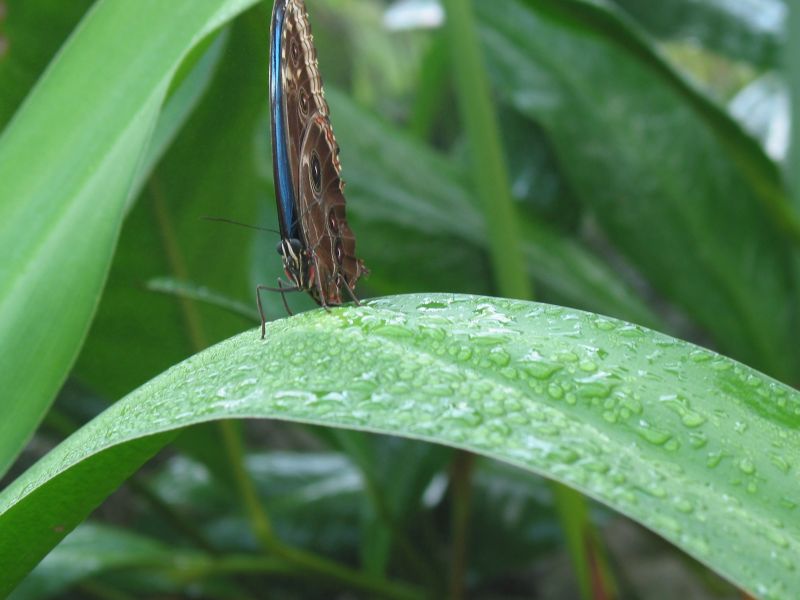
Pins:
x,y
331,243
306,158
296,95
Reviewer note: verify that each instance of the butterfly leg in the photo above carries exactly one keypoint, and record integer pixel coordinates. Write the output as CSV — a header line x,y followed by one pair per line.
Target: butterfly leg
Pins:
x,y
261,309
350,292
280,289
283,297
322,300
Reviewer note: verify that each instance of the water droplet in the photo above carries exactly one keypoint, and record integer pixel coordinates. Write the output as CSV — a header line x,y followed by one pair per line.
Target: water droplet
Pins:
x,y
509,373
652,434
700,356
714,458
540,369
629,331
393,331
665,523
604,324
697,439
594,389
609,416
499,357
597,467
489,339
680,406
777,538
431,305
693,419
567,356
464,353
698,545
721,364
746,466
779,462
555,391
565,456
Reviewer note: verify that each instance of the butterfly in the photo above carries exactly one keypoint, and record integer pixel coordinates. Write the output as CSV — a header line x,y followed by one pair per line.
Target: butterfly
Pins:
x,y
317,245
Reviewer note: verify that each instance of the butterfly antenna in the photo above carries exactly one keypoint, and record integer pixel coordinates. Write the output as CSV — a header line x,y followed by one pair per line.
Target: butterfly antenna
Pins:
x,y
232,222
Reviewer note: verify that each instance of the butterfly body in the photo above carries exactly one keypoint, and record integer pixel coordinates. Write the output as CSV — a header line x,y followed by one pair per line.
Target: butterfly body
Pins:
x,y
317,245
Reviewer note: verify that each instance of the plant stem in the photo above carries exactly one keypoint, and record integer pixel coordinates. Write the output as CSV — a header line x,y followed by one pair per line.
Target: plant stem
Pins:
x,y
290,562
345,575
177,263
65,426
489,171
259,520
234,448
461,477
432,89
492,184
792,57
181,524
231,439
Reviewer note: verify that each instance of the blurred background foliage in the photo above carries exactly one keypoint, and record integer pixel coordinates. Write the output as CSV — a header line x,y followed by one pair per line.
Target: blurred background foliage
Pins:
x,y
646,144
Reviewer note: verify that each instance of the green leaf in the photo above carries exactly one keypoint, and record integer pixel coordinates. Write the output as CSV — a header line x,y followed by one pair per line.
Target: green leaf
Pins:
x,y
89,550
397,180
762,107
668,175
31,32
312,500
185,289
793,75
514,517
67,165
751,31
209,170
695,446
94,550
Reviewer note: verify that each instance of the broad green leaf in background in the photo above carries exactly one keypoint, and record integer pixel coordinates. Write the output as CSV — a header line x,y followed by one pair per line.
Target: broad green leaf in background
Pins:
x,y
31,32
697,447
314,501
208,171
53,194
655,172
792,66
92,549
750,31
762,107
394,179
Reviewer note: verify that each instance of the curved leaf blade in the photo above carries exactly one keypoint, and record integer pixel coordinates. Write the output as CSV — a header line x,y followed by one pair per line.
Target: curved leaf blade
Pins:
x,y
667,173
695,446
67,165
748,31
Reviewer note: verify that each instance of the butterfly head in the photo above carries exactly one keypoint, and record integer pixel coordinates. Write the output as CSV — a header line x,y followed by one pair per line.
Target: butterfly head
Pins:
x,y
295,262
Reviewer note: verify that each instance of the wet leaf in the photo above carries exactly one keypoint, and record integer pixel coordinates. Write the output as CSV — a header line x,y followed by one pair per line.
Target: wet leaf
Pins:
x,y
695,446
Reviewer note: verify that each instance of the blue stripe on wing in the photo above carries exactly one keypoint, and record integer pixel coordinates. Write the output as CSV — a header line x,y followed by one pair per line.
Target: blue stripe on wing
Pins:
x,y
280,146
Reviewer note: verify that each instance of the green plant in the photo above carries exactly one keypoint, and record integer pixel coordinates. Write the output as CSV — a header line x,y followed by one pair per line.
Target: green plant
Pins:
x,y
633,194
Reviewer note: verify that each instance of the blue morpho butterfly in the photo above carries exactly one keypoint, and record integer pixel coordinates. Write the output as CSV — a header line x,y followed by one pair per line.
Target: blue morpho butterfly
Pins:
x,y
317,244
